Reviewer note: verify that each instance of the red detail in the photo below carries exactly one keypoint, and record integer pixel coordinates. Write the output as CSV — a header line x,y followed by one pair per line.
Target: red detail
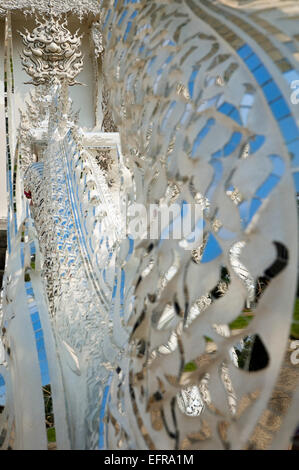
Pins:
x,y
28,194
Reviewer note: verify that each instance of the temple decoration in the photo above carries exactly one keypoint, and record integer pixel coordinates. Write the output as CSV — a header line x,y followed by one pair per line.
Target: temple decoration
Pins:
x,y
80,8
51,52
97,38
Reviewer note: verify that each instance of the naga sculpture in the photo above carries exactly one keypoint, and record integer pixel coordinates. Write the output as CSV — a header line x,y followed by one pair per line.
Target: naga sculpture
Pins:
x,y
115,341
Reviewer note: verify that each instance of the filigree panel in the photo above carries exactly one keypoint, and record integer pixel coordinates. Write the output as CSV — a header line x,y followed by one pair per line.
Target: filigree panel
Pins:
x,y
169,135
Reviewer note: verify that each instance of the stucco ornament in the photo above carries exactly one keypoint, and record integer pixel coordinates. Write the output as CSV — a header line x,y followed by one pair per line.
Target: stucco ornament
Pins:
x,y
51,52
79,7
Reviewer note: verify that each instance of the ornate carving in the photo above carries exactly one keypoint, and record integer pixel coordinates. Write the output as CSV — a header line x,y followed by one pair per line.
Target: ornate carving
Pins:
x,y
80,8
97,38
108,121
51,52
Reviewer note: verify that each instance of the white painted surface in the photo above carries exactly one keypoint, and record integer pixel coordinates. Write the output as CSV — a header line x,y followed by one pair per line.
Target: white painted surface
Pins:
x,y
3,198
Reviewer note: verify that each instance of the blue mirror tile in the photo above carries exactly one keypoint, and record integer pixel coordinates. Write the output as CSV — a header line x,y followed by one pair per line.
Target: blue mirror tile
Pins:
x,y
253,62
231,146
278,165
296,181
289,129
256,143
245,51
267,186
271,91
261,75
280,108
212,250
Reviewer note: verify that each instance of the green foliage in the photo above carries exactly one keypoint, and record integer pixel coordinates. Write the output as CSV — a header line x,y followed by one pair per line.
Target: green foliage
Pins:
x,y
208,340
49,415
295,325
244,355
190,367
32,262
241,322
51,435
